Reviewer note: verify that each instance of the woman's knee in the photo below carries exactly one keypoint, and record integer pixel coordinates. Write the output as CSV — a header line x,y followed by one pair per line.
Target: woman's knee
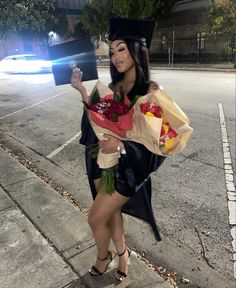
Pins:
x,y
96,220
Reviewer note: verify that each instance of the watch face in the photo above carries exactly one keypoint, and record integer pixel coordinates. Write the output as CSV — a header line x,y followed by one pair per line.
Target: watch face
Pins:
x,y
123,151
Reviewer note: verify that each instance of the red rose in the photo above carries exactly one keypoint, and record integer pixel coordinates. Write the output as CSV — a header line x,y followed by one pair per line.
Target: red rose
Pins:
x,y
144,107
171,132
162,131
163,139
155,110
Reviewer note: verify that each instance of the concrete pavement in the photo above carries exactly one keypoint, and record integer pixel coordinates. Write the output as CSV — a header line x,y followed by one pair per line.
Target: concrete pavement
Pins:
x,y
65,229
45,241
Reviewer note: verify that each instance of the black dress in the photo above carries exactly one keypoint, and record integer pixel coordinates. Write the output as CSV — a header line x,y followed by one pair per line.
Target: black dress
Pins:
x,y
132,172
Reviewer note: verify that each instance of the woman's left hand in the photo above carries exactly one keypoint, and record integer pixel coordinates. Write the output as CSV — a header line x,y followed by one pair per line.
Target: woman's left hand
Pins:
x,y
109,145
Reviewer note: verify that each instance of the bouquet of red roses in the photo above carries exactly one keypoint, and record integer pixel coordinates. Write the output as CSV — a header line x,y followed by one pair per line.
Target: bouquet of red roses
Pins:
x,y
113,114
111,111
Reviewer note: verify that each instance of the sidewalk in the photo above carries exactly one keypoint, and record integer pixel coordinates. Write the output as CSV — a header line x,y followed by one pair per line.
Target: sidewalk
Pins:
x,y
46,242
222,67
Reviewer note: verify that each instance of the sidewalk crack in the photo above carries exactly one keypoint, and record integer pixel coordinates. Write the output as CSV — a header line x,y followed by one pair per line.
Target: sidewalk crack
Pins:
x,y
26,179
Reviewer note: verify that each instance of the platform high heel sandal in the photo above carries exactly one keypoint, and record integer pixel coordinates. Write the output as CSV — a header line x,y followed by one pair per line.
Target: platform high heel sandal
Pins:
x,y
120,276
94,270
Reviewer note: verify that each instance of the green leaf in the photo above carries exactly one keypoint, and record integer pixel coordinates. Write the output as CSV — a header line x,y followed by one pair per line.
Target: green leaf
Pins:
x,y
86,104
115,117
93,150
107,181
133,102
122,94
95,97
116,97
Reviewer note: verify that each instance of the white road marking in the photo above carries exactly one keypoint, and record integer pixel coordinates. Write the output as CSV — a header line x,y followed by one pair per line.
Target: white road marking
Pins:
x,y
35,104
229,180
63,146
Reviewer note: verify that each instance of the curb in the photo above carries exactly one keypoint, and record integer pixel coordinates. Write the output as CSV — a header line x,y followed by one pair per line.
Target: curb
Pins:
x,y
199,69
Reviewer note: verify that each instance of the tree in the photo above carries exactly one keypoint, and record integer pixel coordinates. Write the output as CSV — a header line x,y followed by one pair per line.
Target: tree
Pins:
x,y
222,17
166,6
95,14
30,17
141,9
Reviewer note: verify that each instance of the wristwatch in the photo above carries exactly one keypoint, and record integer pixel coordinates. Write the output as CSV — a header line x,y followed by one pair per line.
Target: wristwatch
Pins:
x,y
121,150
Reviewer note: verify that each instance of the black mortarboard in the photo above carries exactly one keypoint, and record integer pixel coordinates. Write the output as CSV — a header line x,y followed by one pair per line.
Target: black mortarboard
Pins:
x,y
139,30
66,56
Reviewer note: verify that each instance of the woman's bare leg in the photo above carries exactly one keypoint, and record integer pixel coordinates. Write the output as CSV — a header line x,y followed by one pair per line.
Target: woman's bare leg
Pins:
x,y
117,234
116,225
102,211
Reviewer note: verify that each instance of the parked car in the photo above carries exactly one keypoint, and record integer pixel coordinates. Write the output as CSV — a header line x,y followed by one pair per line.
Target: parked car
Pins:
x,y
25,63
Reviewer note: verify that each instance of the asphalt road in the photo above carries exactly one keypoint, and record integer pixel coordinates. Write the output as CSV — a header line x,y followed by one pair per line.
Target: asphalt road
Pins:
x,y
189,189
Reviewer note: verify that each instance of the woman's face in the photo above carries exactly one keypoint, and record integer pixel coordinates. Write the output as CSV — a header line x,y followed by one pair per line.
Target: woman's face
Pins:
x,y
120,56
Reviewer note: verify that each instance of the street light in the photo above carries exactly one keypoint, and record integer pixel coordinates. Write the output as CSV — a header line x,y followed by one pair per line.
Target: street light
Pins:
x,y
53,37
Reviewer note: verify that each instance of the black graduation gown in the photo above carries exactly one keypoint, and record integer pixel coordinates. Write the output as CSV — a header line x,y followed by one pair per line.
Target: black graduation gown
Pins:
x,y
134,170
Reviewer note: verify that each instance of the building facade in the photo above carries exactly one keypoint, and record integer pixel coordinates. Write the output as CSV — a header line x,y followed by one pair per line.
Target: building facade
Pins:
x,y
183,35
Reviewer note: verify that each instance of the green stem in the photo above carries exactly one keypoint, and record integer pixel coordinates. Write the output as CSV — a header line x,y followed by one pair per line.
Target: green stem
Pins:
x,y
107,183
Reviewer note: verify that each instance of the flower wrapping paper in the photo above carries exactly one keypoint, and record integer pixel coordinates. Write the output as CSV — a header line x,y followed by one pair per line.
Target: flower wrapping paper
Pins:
x,y
145,129
119,127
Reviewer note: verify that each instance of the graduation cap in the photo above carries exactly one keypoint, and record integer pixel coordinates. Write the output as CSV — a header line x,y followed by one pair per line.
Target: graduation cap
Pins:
x,y
138,30
67,56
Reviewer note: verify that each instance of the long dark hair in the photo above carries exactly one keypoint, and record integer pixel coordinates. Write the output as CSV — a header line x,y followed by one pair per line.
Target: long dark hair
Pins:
x,y
139,53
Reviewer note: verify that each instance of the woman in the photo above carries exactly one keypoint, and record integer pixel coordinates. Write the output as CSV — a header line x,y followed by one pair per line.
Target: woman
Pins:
x,y
129,68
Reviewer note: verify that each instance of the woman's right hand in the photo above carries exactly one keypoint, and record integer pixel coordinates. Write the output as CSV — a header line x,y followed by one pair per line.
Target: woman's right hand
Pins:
x,y
76,83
